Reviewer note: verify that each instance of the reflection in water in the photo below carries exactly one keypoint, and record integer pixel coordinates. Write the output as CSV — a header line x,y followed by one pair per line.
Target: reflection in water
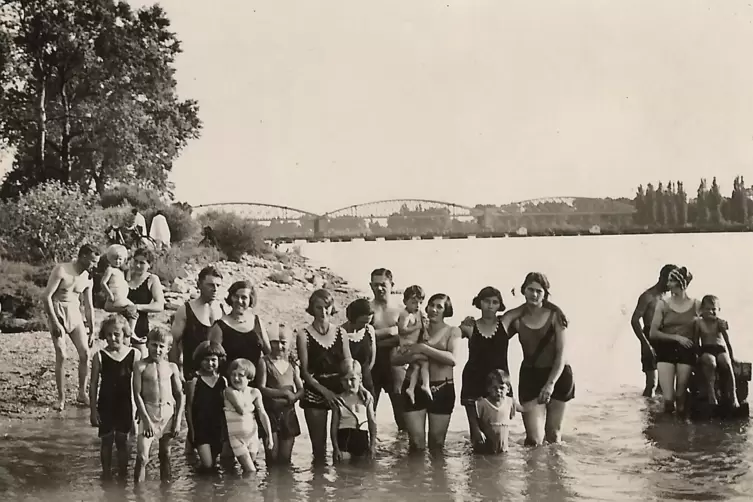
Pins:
x,y
546,474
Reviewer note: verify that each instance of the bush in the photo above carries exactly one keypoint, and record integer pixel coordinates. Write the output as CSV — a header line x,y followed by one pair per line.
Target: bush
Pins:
x,y
22,292
235,235
144,199
172,262
182,225
48,223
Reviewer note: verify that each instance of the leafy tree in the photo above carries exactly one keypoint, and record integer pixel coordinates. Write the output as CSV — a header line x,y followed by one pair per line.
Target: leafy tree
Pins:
x,y
640,206
681,205
715,200
702,204
670,205
650,205
91,98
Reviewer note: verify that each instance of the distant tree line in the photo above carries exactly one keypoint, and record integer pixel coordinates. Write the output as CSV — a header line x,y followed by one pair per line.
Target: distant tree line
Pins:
x,y
668,205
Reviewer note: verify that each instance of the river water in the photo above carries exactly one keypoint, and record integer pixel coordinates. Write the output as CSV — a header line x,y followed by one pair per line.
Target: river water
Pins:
x,y
617,446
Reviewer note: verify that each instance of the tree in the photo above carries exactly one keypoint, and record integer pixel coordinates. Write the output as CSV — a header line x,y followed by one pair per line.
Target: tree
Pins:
x,y
702,205
661,215
681,204
640,206
670,205
91,99
650,205
715,199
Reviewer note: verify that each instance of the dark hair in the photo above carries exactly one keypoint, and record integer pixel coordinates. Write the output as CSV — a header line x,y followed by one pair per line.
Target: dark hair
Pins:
x,y
414,291
498,376
209,270
244,364
237,286
358,308
489,292
145,254
117,320
448,311
709,300
382,271
321,294
134,210
206,349
540,278
664,274
88,249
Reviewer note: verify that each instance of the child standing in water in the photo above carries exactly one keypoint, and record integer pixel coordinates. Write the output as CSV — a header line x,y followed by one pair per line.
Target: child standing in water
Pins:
x,y
156,388
115,286
206,400
281,388
411,330
112,407
712,340
240,403
353,429
496,411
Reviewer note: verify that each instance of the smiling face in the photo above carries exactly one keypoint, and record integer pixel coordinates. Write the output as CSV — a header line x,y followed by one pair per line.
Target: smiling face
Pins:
x,y
279,347
709,310
139,265
321,309
210,363
238,379
241,300
436,309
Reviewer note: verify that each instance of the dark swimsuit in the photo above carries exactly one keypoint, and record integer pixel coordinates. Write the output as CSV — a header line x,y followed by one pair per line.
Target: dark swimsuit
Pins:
x,y
240,344
324,366
142,295
209,425
537,366
114,405
677,323
360,352
484,355
194,333
441,402
282,416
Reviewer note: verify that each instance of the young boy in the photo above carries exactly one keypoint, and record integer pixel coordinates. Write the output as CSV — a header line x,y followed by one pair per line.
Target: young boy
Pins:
x,y
412,330
496,411
156,388
714,348
353,429
115,285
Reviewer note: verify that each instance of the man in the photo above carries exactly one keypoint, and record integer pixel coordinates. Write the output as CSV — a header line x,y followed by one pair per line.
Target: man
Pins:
x,y
68,282
139,222
385,325
644,311
192,323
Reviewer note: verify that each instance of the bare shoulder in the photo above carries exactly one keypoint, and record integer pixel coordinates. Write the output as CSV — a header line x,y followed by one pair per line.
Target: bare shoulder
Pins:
x,y
174,368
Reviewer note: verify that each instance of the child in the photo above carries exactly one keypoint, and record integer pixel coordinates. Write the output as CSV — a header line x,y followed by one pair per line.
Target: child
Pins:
x,y
350,415
206,399
411,330
715,351
115,286
156,388
240,403
496,411
281,388
112,410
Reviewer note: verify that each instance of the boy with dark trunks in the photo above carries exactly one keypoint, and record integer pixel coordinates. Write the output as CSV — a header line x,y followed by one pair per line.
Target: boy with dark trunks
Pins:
x,y
714,349
158,392
644,311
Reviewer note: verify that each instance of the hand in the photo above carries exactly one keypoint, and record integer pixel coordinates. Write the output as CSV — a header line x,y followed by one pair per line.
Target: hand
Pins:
x,y
270,442
95,419
289,396
91,340
330,397
175,429
363,394
684,342
546,393
468,321
337,456
57,330
148,428
478,438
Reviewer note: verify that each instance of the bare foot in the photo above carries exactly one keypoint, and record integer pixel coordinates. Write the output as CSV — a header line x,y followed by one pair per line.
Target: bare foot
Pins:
x,y
427,391
713,400
411,393
83,398
59,406
735,403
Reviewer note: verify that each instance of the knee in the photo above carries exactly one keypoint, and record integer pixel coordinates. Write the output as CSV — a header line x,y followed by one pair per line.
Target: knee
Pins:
x,y
83,356
60,356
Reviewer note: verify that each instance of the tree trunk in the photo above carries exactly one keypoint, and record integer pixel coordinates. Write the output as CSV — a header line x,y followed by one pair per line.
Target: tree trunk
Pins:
x,y
42,123
65,141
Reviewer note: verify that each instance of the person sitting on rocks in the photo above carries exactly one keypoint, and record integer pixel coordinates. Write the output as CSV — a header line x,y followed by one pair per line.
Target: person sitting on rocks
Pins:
x,y
714,349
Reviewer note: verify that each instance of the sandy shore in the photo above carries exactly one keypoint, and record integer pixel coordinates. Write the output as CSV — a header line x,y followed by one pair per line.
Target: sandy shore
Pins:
x,y
27,360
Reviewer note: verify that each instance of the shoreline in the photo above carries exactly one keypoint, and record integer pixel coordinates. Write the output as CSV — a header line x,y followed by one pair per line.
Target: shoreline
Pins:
x,y
27,359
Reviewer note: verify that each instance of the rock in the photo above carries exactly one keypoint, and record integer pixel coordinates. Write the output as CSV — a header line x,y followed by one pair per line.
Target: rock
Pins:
x,y
281,277
179,285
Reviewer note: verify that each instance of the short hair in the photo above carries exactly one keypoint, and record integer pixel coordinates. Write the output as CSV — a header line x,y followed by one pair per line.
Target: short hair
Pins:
x,y
414,291
207,349
498,376
488,292
134,210
115,320
321,294
159,335
349,366
382,271
448,310
541,279
358,308
147,255
244,365
709,300
209,270
87,249
237,286
115,251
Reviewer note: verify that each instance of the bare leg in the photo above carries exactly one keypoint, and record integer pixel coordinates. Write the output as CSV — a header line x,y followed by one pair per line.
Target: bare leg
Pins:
x,y
438,425
273,454
555,416
725,365
708,364
205,455
247,463
121,443
415,423
533,421
316,420
143,445
411,390
425,381
651,379
667,382
105,454
285,450
165,469
683,376
81,342
61,355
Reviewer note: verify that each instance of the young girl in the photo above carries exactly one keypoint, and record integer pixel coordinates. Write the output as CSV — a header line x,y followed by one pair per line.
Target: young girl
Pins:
x,y
712,340
412,330
496,411
240,403
115,286
113,410
206,400
352,416
281,387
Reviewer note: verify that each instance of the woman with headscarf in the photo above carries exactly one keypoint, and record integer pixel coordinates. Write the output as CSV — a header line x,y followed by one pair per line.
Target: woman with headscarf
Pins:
x,y
672,338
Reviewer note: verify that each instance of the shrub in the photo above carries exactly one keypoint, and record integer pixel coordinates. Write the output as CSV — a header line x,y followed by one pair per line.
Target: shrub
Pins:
x,y
235,235
48,223
22,290
142,198
172,262
182,225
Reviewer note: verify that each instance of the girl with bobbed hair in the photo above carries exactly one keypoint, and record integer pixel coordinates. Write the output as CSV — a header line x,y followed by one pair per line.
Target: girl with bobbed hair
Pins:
x,y
546,381
361,337
146,293
488,345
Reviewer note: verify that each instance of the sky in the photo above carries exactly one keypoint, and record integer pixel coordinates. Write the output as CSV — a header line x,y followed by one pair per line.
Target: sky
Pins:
x,y
319,105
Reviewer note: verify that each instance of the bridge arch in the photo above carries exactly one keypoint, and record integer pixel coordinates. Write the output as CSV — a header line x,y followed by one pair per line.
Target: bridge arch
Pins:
x,y
388,207
258,211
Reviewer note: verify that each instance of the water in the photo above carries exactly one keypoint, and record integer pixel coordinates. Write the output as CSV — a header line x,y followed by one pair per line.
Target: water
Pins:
x,y
616,445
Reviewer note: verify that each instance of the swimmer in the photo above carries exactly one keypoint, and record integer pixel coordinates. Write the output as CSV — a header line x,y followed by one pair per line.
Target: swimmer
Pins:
x,y
156,388
714,349
115,285
353,428
411,327
68,282
496,411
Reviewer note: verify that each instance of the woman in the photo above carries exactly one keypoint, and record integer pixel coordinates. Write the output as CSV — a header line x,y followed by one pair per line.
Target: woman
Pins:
x,y
672,338
241,333
146,293
441,351
360,334
546,381
487,350
322,349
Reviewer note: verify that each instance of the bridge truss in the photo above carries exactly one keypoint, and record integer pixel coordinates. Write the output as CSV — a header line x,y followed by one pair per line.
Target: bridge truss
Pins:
x,y
386,208
258,212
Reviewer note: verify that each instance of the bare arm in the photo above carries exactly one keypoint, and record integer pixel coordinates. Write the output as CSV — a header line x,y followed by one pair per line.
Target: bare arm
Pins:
x,y
190,389
559,350
333,428
266,348
179,325
402,324
371,417
52,286
263,417
508,319
477,435
372,352
89,310
158,297
723,330
93,389
103,283
298,383
140,407
232,396
637,317
179,397
444,357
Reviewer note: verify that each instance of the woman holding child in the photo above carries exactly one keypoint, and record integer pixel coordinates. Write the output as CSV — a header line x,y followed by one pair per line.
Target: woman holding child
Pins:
x,y
146,293
441,351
